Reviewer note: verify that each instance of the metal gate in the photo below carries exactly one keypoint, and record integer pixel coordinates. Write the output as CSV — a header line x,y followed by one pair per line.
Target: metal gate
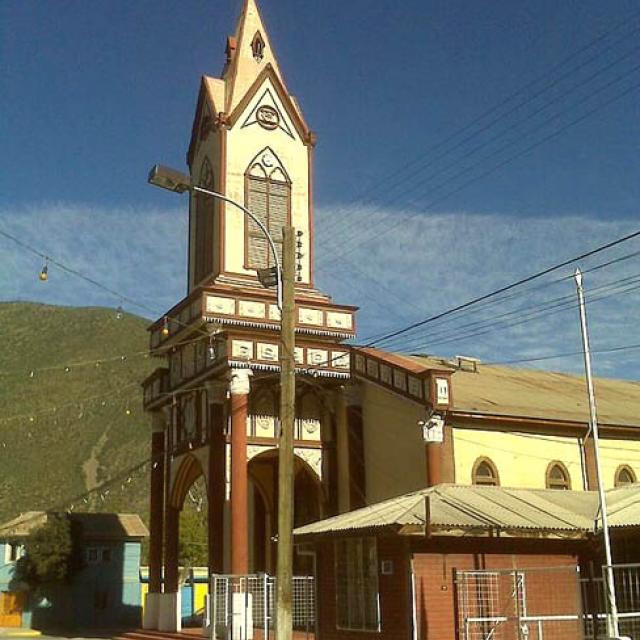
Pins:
x,y
243,607
519,604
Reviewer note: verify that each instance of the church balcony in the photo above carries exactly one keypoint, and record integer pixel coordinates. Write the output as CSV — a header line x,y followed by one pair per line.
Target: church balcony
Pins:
x,y
198,359
195,361
251,309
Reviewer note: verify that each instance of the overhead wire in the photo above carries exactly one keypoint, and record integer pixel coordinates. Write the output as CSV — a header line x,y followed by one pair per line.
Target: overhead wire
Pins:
x,y
421,207
345,237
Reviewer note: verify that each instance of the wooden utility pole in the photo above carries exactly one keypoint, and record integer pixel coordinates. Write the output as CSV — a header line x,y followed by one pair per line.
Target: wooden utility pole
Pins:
x,y
284,570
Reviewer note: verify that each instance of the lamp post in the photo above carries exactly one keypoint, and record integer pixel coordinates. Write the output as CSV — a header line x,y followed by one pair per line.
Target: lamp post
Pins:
x,y
178,182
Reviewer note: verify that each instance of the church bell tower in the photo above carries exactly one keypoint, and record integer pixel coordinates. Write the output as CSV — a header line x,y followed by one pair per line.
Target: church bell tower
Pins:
x,y
251,142
214,399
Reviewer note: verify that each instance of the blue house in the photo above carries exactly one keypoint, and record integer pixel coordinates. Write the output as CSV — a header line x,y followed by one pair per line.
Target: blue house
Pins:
x,y
103,593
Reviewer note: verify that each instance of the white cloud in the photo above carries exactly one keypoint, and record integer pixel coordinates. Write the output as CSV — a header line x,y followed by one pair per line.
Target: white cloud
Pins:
x,y
432,262
427,264
138,252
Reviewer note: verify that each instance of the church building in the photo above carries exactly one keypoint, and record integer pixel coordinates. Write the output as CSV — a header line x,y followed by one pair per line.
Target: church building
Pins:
x,y
370,425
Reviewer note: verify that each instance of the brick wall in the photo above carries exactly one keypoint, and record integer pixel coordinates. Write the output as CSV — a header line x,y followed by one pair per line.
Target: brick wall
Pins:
x,y
395,593
550,582
548,591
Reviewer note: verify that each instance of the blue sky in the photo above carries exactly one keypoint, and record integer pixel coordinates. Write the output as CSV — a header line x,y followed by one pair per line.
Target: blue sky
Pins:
x,y
414,214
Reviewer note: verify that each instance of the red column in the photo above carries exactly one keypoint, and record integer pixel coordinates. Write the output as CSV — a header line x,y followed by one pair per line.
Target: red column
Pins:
x,y
156,506
434,463
216,395
239,389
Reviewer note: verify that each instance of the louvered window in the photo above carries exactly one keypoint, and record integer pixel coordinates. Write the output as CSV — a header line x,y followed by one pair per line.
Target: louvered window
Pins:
x,y
269,201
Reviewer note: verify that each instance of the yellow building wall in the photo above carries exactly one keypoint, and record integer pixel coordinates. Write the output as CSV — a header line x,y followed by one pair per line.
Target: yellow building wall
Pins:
x,y
394,451
243,144
521,459
614,453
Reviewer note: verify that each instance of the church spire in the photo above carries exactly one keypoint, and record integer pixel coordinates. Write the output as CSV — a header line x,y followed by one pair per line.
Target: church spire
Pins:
x,y
248,53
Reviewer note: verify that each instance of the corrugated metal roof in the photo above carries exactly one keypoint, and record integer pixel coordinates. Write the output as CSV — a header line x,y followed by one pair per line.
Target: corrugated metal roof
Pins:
x,y
528,393
449,507
102,526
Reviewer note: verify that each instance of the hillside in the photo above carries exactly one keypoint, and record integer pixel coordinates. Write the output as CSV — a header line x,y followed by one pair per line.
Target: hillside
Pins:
x,y
70,408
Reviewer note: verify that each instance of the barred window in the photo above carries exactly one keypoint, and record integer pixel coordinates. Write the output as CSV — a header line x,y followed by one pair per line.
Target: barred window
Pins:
x,y
204,224
268,198
356,574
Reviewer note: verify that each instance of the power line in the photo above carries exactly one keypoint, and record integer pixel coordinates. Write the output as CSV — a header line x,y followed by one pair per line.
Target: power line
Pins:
x,y
402,170
374,234
345,238
561,303
508,287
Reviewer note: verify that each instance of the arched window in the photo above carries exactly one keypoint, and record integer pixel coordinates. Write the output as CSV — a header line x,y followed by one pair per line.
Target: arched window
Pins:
x,y
557,476
485,473
624,475
204,225
268,197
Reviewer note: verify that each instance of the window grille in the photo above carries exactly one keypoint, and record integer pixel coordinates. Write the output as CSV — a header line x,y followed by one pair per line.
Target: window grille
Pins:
x,y
356,575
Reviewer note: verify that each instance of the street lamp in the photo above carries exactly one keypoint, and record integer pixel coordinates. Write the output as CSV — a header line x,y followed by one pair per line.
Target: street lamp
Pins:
x,y
178,182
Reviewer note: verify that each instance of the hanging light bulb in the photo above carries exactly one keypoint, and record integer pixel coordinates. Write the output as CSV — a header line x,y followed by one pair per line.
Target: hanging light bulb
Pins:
x,y
119,312
212,350
44,272
165,327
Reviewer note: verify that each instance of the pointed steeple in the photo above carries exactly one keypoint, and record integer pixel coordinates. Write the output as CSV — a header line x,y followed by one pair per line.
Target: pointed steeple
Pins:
x,y
248,53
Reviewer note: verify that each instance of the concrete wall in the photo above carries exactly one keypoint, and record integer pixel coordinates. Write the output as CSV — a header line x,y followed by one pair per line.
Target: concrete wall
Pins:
x,y
521,459
394,451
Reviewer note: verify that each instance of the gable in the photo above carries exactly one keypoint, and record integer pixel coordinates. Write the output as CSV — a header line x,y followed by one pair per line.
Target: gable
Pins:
x,y
204,119
267,90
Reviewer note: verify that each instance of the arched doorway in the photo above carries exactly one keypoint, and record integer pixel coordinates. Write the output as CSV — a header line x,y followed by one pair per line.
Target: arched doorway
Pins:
x,y
189,499
263,508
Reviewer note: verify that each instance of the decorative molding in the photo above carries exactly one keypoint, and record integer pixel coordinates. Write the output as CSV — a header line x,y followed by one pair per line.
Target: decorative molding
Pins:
x,y
239,384
313,457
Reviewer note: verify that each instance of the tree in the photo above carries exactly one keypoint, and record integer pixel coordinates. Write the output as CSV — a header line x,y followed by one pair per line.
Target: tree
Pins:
x,y
50,555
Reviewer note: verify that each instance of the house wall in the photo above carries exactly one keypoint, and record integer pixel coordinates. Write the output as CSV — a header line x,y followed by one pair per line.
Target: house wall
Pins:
x,y
551,585
615,452
394,451
550,589
394,593
521,459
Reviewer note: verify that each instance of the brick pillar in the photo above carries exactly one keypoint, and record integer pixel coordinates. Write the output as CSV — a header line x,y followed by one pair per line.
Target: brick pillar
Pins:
x,y
239,388
355,437
438,438
216,398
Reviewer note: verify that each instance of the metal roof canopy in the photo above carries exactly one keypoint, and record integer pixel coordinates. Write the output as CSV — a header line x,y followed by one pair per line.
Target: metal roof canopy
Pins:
x,y
450,509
